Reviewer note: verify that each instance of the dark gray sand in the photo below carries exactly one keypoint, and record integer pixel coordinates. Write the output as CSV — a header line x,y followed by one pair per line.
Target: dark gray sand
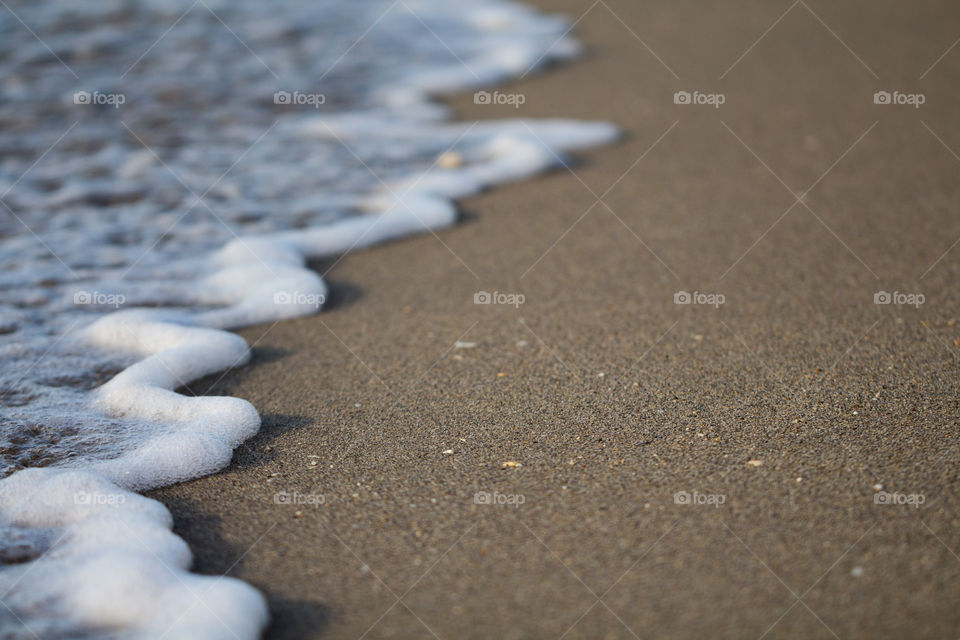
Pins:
x,y
791,403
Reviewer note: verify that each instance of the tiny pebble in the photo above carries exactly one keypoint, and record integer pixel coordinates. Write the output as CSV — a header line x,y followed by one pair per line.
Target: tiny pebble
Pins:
x,y
878,487
856,572
449,160
460,344
510,464
448,452
754,463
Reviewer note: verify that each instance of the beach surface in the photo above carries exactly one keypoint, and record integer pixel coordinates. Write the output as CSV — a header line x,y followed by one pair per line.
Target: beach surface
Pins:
x,y
777,458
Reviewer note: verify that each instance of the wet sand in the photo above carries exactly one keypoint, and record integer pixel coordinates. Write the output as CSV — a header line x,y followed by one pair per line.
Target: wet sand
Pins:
x,y
782,413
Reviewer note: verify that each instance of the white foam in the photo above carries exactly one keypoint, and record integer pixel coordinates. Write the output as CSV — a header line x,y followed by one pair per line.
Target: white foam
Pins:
x,y
88,555
108,562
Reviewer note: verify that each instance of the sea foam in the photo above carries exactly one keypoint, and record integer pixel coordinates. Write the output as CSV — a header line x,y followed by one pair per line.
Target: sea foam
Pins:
x,y
131,255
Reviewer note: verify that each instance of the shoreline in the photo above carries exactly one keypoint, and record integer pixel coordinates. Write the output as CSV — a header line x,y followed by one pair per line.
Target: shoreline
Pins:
x,y
615,400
